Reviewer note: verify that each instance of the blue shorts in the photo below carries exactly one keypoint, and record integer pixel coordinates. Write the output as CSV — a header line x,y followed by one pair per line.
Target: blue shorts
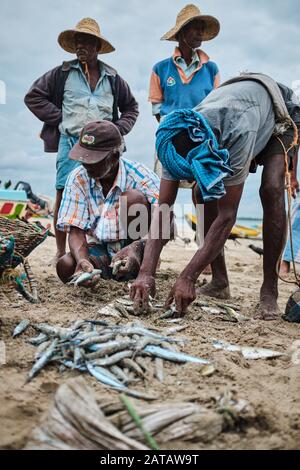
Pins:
x,y
64,165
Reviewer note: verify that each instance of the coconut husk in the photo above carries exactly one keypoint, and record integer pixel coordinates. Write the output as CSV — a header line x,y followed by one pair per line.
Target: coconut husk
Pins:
x,y
75,422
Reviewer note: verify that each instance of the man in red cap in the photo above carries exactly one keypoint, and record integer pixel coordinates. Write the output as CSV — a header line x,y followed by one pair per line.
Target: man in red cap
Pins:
x,y
100,201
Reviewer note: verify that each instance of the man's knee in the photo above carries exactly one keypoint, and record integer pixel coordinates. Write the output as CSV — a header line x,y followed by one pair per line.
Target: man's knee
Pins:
x,y
272,191
134,196
65,267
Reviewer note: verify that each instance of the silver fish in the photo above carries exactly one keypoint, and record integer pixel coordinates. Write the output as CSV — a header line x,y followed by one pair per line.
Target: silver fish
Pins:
x,y
97,339
101,375
114,359
21,327
173,355
133,366
119,373
111,347
109,310
63,333
247,351
71,365
104,376
42,361
37,340
78,356
78,279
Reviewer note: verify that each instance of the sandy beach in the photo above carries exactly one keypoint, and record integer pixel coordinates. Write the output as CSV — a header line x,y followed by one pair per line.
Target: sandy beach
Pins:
x,y
271,386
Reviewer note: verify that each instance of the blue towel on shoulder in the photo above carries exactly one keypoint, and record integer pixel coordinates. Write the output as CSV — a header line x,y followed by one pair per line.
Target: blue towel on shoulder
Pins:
x,y
206,163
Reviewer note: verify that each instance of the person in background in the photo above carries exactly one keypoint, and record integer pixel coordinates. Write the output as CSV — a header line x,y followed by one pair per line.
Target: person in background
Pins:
x,y
186,78
75,93
287,257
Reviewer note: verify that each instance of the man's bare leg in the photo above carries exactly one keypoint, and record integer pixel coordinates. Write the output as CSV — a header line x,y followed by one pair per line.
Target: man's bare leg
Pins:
x,y
285,268
274,226
60,236
219,285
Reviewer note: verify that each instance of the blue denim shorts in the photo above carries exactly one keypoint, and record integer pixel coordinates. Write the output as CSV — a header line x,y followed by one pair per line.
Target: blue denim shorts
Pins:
x,y
64,165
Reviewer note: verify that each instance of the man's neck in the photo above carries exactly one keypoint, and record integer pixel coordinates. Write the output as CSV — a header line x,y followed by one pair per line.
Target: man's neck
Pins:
x,y
108,181
186,52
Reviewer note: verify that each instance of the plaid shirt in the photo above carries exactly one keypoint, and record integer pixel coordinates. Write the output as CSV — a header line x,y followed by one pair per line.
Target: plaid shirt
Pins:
x,y
84,205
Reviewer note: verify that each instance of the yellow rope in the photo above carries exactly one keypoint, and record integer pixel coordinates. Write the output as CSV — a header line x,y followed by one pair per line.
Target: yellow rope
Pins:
x,y
289,216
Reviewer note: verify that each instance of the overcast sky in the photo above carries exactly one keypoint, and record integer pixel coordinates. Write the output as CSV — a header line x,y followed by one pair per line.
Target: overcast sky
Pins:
x,y
260,36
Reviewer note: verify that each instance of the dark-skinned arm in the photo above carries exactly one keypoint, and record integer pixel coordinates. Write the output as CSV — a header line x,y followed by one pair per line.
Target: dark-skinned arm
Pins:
x,y
160,226
294,179
183,291
79,250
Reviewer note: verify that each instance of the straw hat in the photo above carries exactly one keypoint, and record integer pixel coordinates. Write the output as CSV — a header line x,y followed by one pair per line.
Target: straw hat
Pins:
x,y
66,39
186,15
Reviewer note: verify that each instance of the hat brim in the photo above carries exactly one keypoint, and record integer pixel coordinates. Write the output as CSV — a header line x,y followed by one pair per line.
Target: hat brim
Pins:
x,y
212,28
88,156
66,40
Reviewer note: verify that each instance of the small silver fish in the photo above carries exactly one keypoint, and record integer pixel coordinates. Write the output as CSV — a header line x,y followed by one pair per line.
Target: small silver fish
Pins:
x,y
37,340
114,359
247,351
42,361
78,279
173,355
21,327
111,347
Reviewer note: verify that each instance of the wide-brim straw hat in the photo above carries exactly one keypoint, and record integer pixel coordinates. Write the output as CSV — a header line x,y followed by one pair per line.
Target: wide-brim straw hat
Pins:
x,y
66,39
186,15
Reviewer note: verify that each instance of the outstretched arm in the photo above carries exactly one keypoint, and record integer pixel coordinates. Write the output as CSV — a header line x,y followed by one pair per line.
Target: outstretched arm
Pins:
x,y
183,292
161,230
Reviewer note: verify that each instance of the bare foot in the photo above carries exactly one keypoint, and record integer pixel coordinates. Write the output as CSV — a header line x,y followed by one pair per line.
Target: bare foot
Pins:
x,y
284,268
213,289
267,310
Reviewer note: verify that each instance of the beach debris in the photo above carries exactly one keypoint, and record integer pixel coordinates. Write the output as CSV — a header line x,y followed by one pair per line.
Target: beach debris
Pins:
x,y
247,351
256,250
112,353
233,315
20,328
77,421
207,370
79,278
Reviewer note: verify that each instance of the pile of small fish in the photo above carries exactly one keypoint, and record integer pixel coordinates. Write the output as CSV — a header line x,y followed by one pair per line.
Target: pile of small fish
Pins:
x,y
114,354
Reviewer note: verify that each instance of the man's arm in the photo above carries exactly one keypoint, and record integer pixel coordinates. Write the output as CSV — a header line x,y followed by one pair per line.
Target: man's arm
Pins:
x,y
38,99
183,292
145,284
127,106
78,245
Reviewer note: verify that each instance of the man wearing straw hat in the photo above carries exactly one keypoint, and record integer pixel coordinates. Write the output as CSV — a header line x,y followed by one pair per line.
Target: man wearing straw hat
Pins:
x,y
186,78
71,95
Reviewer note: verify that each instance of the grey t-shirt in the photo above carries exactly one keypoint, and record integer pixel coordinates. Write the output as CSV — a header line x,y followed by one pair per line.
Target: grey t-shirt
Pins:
x,y
242,118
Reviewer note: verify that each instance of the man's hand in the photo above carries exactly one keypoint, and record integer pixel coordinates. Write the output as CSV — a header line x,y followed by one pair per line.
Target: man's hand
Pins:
x,y
184,293
141,289
85,266
131,257
294,186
